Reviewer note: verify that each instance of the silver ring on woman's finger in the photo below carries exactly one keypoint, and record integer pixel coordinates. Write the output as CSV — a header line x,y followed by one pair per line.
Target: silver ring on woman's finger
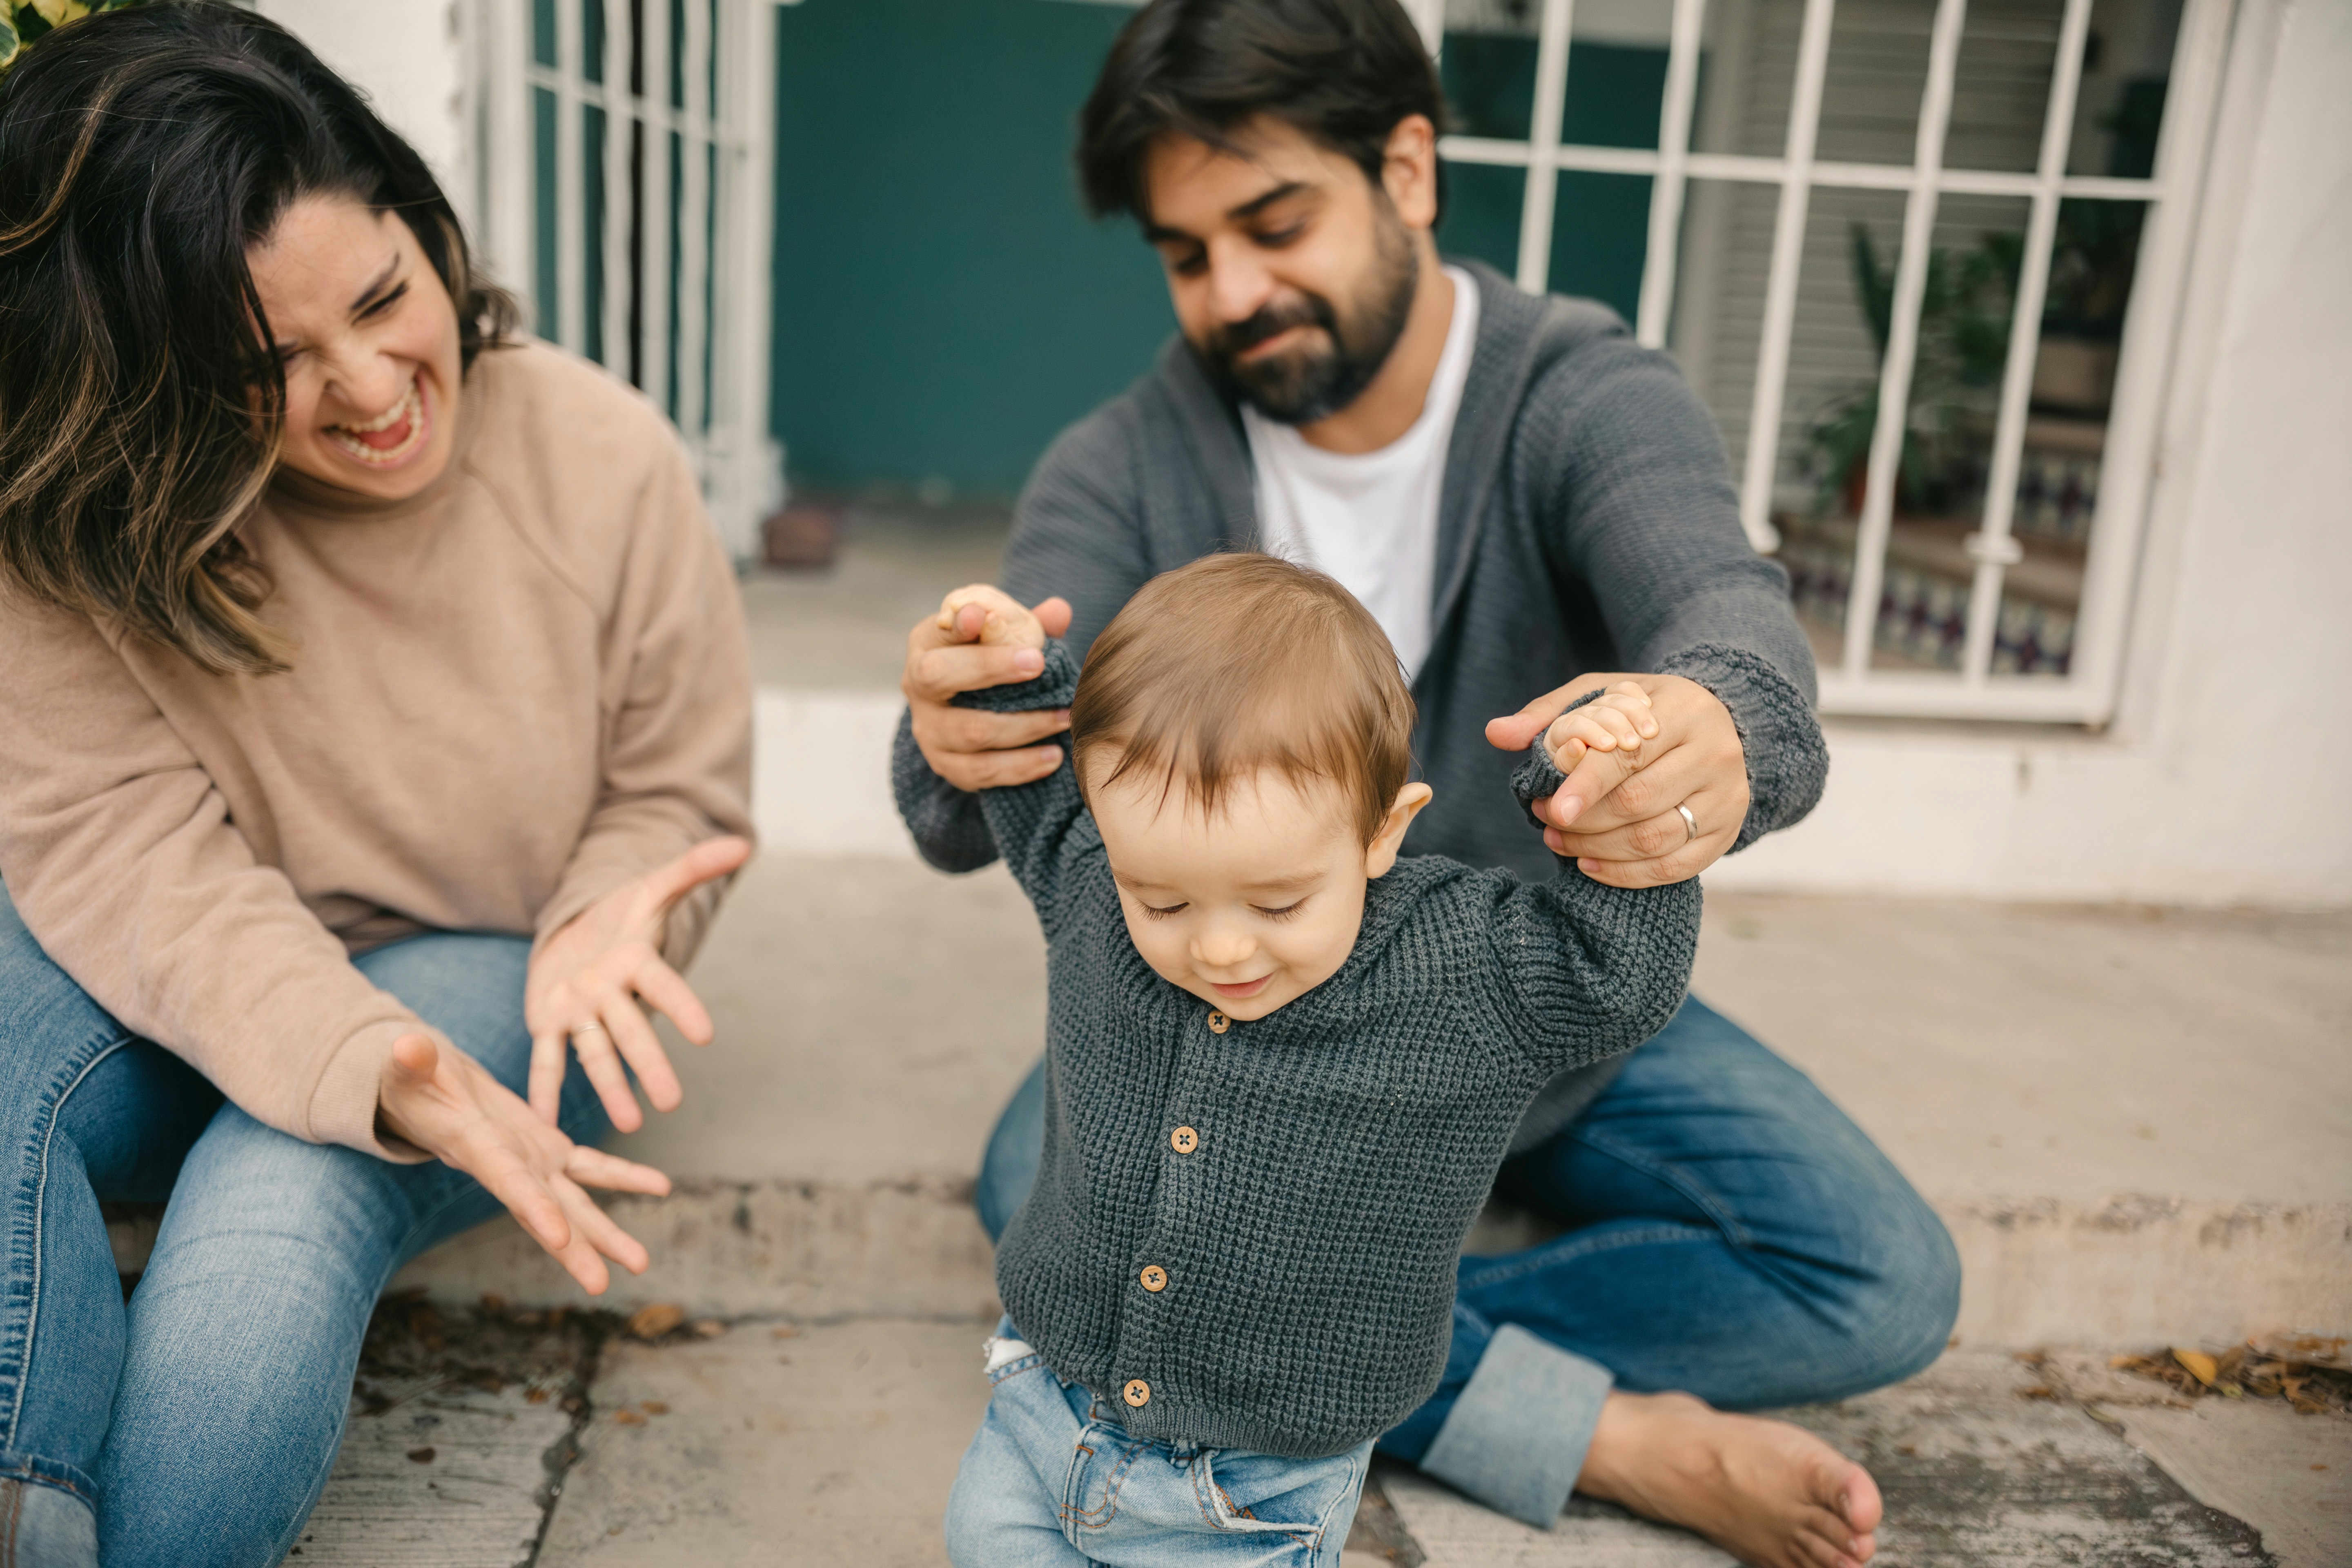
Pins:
x,y
599,1029
1689,822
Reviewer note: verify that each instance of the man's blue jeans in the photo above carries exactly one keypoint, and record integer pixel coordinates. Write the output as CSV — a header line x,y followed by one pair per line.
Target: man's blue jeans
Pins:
x,y
1731,1234
198,1421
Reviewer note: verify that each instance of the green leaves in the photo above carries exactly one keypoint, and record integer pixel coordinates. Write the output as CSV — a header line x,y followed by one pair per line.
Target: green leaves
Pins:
x,y
25,22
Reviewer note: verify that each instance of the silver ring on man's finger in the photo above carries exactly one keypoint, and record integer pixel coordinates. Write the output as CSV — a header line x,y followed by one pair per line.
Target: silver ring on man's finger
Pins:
x,y
1689,822
599,1029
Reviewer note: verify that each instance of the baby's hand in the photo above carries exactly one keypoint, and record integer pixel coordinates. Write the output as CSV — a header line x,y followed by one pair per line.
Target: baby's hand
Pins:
x,y
1619,720
1007,624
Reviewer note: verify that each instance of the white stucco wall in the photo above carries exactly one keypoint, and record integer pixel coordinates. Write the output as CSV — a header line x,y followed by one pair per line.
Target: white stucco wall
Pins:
x,y
405,58
2226,777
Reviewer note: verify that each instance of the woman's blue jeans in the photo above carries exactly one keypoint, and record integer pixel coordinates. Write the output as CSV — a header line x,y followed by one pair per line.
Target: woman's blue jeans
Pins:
x,y
200,1418
1730,1234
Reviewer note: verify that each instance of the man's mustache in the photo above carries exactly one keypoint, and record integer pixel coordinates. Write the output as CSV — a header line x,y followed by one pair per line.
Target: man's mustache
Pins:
x,y
1272,321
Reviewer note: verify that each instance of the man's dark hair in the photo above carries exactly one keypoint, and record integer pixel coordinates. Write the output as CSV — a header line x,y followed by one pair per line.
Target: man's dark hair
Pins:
x,y
1342,71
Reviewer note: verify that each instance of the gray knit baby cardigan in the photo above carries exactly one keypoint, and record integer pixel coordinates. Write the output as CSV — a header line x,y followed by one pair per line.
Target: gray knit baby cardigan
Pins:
x,y
1297,1187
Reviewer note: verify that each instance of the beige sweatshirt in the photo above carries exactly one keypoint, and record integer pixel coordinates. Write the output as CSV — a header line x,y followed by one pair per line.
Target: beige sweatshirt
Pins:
x,y
511,694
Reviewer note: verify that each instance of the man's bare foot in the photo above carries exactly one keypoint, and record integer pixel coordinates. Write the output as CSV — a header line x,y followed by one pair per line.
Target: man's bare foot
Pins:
x,y
1773,1495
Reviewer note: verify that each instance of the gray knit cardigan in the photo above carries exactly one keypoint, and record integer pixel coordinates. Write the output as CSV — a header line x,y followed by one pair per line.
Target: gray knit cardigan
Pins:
x,y
1587,522
1297,1187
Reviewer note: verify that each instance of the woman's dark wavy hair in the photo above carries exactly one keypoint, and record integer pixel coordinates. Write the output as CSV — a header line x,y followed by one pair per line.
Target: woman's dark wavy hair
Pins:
x,y
142,152
1345,72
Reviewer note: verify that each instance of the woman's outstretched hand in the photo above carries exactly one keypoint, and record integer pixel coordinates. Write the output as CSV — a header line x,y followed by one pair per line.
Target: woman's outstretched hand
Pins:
x,y
443,1102
586,980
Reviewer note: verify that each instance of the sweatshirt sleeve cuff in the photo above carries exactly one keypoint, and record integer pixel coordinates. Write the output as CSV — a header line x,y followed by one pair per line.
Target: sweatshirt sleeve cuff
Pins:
x,y
1788,760
343,1102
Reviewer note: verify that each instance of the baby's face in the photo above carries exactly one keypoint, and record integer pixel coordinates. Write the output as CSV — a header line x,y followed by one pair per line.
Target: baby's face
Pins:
x,y
1255,906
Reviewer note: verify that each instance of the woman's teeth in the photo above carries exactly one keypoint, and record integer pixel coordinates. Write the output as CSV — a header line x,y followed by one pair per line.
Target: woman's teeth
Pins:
x,y
390,438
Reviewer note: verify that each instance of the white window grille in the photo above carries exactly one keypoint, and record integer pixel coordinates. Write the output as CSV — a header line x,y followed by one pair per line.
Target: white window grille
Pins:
x,y
622,151
1746,59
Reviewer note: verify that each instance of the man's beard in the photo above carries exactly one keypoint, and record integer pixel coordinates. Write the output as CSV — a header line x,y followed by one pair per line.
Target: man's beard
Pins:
x,y
1301,385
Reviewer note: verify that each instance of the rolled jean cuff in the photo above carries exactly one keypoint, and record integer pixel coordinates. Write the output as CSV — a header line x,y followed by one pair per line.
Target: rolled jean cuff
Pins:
x,y
50,1520
1516,1436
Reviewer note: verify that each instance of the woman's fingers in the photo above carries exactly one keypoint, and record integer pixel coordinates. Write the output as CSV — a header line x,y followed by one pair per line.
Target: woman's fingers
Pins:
x,y
711,857
546,1081
593,1043
597,1228
642,1049
509,1178
595,1168
667,992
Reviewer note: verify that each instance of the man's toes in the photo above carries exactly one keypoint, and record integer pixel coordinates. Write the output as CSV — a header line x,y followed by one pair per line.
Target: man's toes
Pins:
x,y
1826,1541
1858,1499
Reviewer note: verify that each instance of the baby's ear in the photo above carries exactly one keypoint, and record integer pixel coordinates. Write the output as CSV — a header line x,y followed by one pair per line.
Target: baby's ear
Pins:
x,y
1380,855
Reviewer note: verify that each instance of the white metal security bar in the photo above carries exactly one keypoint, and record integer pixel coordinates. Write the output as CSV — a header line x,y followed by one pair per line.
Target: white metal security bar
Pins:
x,y
2087,693
682,92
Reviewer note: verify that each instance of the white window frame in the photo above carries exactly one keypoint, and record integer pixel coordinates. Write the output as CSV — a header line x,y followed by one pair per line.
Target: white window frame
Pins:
x,y
2087,693
739,462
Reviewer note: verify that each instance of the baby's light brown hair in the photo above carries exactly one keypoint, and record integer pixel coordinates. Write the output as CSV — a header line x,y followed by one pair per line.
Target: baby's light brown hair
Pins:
x,y
1242,662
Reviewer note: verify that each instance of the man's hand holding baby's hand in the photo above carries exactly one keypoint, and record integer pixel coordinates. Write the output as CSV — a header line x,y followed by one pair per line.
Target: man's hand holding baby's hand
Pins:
x,y
946,656
992,616
1618,720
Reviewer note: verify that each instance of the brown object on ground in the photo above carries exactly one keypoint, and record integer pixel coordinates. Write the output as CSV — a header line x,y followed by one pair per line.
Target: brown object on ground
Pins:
x,y
421,1456
628,1419
652,1322
1378,1532
801,536
709,1328
2307,1371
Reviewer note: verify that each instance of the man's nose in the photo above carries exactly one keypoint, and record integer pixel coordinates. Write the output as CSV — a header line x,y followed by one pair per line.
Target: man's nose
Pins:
x,y
1239,284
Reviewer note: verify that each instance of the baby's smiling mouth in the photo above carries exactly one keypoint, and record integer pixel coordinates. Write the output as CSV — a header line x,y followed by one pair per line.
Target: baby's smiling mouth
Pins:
x,y
390,438
1244,991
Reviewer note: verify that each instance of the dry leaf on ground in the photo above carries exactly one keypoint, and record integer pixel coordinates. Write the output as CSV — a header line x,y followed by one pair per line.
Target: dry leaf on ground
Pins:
x,y
652,1322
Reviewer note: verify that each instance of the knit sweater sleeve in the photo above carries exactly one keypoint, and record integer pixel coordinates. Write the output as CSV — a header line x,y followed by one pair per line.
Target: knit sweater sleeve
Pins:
x,y
1637,502
1042,827
1588,970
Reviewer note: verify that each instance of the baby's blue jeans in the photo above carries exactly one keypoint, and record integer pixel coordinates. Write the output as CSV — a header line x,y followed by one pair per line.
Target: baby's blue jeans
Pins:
x,y
1053,1481
194,1426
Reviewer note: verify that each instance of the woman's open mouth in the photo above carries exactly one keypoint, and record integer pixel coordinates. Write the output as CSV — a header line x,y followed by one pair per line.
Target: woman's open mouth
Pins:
x,y
391,439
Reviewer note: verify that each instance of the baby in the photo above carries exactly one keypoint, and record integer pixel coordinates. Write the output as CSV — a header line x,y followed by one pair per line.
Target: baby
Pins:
x,y
1282,1065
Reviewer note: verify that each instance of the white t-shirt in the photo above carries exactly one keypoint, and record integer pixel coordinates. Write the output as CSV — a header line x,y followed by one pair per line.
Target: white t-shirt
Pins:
x,y
1370,519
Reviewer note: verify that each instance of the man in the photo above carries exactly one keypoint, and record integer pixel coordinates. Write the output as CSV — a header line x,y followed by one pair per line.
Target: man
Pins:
x,y
1519,493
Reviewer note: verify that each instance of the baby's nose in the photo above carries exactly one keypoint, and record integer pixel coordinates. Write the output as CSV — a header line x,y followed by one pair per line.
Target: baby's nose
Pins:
x,y
1223,949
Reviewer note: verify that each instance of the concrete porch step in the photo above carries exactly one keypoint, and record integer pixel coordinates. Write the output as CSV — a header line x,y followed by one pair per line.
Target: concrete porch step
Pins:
x,y
2133,1120
755,1441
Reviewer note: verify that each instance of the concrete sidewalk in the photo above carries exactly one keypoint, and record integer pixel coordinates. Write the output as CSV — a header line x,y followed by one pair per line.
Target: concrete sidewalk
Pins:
x,y
2135,1122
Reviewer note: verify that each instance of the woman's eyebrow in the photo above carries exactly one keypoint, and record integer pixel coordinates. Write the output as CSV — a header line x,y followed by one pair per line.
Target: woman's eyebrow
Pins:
x,y
382,282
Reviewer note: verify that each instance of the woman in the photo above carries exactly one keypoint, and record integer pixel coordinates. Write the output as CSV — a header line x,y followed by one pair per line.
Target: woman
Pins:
x,y
377,720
